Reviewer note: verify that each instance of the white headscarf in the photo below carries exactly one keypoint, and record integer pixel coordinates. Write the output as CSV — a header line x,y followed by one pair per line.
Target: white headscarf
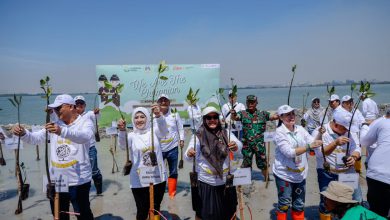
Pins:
x,y
147,124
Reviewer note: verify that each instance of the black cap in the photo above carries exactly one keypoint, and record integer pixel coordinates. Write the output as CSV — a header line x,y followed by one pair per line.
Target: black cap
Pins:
x,y
114,78
102,78
251,98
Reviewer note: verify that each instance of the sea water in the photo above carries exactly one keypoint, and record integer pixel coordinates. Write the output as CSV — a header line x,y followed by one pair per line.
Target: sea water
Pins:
x,y
32,108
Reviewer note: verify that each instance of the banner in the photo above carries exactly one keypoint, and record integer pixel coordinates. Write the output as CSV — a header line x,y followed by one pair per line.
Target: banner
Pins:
x,y
137,82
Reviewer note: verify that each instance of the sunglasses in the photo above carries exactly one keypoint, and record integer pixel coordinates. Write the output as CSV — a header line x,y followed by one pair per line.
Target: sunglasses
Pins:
x,y
209,117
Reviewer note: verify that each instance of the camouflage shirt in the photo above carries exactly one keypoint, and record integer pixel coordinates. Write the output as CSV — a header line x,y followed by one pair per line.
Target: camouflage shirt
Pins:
x,y
254,125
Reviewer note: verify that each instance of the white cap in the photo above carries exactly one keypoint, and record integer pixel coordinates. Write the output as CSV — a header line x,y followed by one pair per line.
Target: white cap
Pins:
x,y
79,97
342,117
334,97
208,110
346,98
315,99
163,96
62,99
284,109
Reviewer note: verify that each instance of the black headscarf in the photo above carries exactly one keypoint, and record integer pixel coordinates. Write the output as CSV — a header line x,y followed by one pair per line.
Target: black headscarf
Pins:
x,y
213,145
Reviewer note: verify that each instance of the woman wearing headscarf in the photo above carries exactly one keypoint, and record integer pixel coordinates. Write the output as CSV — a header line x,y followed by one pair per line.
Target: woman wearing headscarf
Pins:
x,y
139,142
313,117
290,167
212,164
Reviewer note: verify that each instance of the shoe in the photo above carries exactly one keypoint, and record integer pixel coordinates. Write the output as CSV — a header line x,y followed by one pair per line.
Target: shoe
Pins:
x,y
172,183
298,215
281,215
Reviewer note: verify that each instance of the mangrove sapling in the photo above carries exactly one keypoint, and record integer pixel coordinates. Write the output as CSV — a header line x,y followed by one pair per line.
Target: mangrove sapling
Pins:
x,y
292,79
192,99
219,94
162,67
26,186
174,113
118,89
97,135
365,88
353,88
326,164
304,103
47,89
16,102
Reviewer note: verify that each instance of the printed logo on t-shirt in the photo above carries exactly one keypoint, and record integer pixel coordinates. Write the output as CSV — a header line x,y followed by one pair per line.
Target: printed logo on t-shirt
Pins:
x,y
63,151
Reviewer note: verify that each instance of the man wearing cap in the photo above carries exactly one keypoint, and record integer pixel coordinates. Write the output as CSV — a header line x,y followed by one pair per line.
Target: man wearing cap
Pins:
x,y
254,124
91,115
378,171
357,122
339,202
314,116
335,142
334,104
236,125
70,138
369,108
169,144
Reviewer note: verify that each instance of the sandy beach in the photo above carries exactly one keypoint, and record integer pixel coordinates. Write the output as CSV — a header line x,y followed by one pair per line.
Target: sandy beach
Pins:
x,y
117,201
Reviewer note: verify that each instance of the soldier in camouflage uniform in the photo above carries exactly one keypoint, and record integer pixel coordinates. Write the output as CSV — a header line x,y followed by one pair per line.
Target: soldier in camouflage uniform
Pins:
x,y
254,126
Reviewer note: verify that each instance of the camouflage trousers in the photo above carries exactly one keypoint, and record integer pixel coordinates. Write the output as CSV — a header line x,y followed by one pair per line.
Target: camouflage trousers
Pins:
x,y
248,150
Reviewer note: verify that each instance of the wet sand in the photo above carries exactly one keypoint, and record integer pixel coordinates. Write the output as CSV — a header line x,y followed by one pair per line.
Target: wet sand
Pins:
x,y
117,201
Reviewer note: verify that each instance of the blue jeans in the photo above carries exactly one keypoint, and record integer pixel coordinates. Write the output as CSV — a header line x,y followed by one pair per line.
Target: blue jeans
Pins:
x,y
172,156
290,194
79,197
96,175
324,178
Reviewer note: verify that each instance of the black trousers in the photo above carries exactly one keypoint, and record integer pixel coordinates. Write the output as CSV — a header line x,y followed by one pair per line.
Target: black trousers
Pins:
x,y
378,196
141,197
79,197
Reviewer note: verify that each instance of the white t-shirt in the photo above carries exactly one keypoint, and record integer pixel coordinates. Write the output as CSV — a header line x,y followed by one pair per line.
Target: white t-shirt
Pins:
x,y
90,115
334,159
69,151
226,112
204,168
176,133
286,159
139,148
379,163
370,109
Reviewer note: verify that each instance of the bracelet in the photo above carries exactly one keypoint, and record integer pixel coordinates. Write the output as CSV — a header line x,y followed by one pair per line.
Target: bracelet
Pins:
x,y
308,148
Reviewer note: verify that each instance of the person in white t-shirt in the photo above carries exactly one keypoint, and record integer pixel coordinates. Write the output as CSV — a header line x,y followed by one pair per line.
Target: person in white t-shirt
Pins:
x,y
140,143
70,138
170,142
195,116
93,159
369,108
215,199
236,125
378,171
335,146
290,167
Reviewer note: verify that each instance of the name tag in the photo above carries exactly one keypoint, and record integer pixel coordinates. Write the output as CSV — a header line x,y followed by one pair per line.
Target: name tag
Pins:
x,y
61,183
111,131
269,136
242,176
149,175
12,143
350,179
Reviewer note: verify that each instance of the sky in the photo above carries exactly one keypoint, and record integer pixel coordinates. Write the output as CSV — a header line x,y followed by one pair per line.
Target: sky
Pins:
x,y
256,42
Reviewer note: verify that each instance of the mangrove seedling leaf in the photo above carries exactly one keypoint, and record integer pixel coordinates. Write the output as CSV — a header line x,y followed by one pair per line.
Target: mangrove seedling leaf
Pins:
x,y
367,86
163,77
332,90
196,93
12,102
42,82
361,89
47,79
293,68
221,90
